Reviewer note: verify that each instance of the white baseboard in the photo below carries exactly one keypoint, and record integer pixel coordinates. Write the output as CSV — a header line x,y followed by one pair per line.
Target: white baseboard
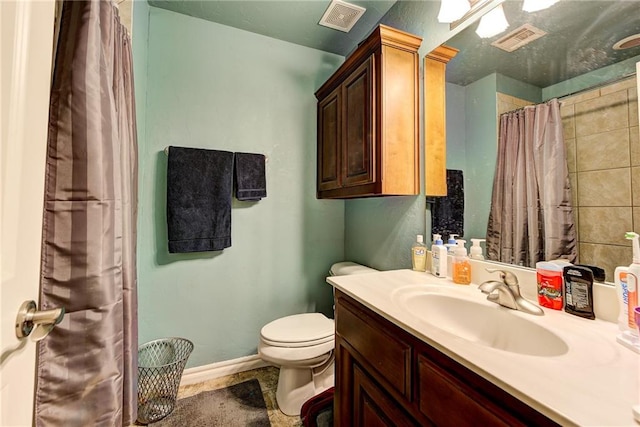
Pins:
x,y
212,371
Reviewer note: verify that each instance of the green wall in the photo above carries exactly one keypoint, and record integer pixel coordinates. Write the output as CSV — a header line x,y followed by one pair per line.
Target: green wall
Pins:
x,y
518,89
217,87
482,145
456,131
594,78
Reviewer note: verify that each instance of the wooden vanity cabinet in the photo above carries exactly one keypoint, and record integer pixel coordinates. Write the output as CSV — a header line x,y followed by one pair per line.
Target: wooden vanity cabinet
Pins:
x,y
368,120
387,377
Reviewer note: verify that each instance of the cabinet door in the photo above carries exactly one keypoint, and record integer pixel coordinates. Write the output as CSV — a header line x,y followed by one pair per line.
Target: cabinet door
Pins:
x,y
357,148
447,401
329,136
372,407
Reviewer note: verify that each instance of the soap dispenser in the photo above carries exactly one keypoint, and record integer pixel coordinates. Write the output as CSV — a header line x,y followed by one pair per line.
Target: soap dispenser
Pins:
x,y
451,244
475,252
461,264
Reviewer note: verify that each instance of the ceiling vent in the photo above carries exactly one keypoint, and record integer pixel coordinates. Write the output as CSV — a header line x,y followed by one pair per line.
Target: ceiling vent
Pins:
x,y
518,38
341,15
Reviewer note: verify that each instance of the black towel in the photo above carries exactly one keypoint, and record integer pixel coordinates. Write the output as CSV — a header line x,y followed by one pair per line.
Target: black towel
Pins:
x,y
447,213
199,185
251,184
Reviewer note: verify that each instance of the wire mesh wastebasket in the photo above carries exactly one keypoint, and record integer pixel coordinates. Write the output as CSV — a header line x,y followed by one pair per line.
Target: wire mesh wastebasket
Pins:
x,y
160,366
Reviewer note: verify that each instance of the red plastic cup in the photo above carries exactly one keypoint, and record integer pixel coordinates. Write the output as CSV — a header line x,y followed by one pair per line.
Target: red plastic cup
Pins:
x,y
636,316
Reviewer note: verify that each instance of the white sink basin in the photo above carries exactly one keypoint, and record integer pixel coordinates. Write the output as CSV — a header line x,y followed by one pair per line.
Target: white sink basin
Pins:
x,y
479,321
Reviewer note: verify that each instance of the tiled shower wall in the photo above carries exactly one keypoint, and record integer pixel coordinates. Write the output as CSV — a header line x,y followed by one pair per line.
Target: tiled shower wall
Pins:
x,y
603,155
508,103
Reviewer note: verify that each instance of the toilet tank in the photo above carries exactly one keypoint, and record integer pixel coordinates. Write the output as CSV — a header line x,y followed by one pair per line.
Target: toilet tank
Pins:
x,y
348,267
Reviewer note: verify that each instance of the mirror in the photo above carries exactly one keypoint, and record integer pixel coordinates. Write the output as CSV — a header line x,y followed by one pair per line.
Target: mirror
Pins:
x,y
575,62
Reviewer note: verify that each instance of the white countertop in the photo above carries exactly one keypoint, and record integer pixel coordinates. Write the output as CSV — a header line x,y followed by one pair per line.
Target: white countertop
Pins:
x,y
596,383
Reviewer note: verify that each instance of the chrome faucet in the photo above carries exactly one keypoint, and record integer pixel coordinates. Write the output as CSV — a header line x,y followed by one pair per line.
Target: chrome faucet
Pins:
x,y
506,292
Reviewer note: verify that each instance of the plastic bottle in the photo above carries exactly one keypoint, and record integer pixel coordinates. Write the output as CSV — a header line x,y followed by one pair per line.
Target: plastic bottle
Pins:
x,y
475,251
549,278
451,244
419,254
620,279
439,257
633,275
461,265
578,291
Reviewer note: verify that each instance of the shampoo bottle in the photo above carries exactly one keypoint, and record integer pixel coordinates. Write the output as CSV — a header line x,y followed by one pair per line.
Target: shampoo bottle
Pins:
x,y
419,254
475,252
461,265
439,257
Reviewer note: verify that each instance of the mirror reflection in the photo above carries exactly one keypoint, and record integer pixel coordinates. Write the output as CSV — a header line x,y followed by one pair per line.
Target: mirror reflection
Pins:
x,y
575,61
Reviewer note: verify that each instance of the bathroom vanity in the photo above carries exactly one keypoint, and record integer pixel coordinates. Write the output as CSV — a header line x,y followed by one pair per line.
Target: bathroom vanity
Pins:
x,y
412,349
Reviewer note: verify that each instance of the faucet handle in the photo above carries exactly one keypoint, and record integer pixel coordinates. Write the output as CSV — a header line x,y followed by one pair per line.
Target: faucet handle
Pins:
x,y
507,277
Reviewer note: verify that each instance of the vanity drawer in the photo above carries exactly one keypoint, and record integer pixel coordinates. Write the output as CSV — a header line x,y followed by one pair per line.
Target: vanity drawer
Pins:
x,y
387,354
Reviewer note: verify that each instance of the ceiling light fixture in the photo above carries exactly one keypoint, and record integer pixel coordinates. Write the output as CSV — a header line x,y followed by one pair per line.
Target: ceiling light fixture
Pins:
x,y
493,23
452,10
536,5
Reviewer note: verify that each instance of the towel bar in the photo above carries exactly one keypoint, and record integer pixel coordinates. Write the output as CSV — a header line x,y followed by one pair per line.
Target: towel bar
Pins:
x,y
166,151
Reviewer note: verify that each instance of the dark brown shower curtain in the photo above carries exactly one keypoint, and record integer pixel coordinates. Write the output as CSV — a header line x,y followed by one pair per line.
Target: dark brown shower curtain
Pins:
x,y
87,366
531,217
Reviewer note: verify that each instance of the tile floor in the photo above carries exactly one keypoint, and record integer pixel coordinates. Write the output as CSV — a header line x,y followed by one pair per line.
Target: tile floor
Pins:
x,y
268,379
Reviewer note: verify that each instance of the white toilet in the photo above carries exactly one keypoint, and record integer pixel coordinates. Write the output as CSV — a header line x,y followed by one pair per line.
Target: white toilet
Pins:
x,y
302,345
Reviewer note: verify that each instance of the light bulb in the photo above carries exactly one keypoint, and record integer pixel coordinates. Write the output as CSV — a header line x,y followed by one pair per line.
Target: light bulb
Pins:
x,y
452,10
492,23
536,5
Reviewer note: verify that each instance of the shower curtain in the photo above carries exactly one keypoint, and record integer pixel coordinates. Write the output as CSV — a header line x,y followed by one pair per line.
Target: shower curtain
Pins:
x,y
87,366
531,217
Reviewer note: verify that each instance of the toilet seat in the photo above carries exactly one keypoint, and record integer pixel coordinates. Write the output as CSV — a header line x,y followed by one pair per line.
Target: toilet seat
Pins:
x,y
295,356
299,331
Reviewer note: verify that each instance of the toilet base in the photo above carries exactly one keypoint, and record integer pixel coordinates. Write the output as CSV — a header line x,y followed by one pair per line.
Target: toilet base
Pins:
x,y
297,385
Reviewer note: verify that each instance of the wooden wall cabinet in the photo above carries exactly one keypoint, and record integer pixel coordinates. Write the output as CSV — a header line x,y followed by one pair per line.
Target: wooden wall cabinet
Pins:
x,y
387,377
368,120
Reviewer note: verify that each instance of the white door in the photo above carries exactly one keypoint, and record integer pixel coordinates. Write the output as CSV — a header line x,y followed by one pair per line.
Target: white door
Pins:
x,y
26,28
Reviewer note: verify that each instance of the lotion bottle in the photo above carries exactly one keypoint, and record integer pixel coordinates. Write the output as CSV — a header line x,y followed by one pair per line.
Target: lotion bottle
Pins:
x,y
461,265
439,257
451,244
419,254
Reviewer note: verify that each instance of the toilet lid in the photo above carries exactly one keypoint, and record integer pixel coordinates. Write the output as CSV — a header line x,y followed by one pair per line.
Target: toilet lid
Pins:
x,y
298,330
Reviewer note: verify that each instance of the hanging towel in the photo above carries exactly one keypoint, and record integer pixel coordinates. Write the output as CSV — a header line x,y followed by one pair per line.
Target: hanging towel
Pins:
x,y
447,213
251,184
199,186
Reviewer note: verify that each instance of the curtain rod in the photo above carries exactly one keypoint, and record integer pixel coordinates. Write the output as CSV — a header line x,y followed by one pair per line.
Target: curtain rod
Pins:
x,y
597,85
